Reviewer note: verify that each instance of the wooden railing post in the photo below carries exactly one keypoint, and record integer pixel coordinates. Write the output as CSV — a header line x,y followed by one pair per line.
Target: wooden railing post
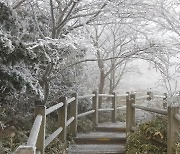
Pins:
x,y
130,112
40,145
165,101
23,149
73,113
62,119
150,95
172,127
95,104
114,106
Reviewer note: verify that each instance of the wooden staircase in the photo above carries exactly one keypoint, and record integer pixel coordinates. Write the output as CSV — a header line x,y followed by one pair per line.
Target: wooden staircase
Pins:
x,y
108,138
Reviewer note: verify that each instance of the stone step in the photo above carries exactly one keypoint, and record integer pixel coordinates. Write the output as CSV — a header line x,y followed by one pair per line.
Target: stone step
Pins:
x,y
108,138
96,149
101,138
112,127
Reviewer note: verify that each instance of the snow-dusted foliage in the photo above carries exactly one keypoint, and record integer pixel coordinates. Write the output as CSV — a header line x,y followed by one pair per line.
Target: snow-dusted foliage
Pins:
x,y
16,61
36,66
54,56
16,66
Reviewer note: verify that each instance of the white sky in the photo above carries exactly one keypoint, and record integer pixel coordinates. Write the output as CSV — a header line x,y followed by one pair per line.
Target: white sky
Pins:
x,y
147,79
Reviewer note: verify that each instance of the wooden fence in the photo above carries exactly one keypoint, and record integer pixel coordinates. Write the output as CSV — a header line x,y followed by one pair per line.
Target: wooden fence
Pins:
x,y
37,141
172,112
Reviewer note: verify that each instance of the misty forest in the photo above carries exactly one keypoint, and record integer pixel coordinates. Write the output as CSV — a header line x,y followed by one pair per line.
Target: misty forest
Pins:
x,y
54,48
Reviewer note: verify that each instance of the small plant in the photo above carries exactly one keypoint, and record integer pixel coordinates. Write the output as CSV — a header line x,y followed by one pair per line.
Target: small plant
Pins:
x,y
57,146
121,116
178,145
107,116
104,116
85,125
151,137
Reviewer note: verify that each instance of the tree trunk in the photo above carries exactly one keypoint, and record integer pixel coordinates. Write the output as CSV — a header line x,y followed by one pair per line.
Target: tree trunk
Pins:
x,y
101,86
111,82
112,75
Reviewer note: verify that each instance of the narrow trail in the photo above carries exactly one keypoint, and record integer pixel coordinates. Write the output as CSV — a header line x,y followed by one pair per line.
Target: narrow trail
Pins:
x,y
107,138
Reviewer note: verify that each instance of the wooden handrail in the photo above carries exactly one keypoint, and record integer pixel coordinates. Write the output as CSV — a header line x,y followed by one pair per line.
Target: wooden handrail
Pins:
x,y
70,100
122,95
85,113
163,112
53,136
106,109
54,108
159,96
35,131
177,117
142,97
86,96
121,107
70,121
105,95
37,142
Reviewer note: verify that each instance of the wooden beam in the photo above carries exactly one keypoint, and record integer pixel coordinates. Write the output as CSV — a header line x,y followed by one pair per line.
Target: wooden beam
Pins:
x,y
62,119
95,102
40,145
172,127
86,113
74,113
114,106
130,113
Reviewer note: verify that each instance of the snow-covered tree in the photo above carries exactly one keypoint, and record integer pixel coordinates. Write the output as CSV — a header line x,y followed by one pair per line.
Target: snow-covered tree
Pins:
x,y
16,61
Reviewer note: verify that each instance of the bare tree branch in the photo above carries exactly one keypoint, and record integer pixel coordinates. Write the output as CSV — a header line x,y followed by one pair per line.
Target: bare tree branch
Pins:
x,y
18,4
123,57
90,20
53,19
37,25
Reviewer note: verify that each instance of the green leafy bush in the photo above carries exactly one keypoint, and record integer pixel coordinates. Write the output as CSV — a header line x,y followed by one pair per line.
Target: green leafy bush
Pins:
x,y
57,146
85,125
150,137
178,146
6,16
14,129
